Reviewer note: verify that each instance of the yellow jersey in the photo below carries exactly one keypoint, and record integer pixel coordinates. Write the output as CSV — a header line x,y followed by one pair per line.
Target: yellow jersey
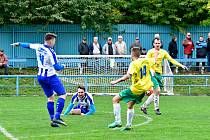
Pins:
x,y
162,54
141,79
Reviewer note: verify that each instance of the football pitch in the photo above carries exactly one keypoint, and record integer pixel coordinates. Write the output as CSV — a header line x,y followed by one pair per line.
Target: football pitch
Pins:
x,y
183,118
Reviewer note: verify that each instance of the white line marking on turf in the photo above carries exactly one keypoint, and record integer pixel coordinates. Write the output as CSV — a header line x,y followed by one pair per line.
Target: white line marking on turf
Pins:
x,y
7,134
60,134
149,119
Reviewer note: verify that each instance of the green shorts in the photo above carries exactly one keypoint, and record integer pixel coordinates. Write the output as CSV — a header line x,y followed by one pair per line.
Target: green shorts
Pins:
x,y
127,96
157,80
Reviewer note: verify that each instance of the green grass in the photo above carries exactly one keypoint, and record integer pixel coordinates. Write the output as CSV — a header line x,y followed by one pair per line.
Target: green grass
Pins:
x,y
183,118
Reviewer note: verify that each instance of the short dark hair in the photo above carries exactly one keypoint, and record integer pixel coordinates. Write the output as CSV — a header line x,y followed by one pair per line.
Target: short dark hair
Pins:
x,y
81,87
49,36
173,38
1,50
136,52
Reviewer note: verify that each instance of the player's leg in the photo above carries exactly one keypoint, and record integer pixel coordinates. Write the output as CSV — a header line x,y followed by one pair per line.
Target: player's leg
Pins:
x,y
157,93
150,99
76,111
130,115
156,101
5,69
58,87
147,102
50,98
117,112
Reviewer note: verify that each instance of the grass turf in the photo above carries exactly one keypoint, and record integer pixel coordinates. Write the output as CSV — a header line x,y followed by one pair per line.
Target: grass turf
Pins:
x,y
183,118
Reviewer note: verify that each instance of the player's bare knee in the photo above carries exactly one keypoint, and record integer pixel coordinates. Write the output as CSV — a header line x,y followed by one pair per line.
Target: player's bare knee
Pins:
x,y
116,99
130,105
51,98
63,96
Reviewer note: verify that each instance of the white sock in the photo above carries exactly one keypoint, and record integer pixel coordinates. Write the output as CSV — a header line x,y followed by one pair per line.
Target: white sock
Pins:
x,y
117,112
130,114
156,101
148,101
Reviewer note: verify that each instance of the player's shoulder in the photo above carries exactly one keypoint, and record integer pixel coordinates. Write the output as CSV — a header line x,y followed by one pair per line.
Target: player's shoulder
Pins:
x,y
151,51
89,95
162,50
75,95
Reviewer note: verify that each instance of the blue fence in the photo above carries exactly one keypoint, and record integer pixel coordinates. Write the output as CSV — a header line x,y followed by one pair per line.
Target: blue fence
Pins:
x,y
199,84
69,37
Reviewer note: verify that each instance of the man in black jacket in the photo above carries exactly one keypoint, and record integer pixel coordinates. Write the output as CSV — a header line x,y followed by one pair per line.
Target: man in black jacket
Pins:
x,y
172,48
208,51
83,47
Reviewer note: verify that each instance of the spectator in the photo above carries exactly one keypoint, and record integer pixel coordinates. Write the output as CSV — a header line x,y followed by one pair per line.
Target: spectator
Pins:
x,y
3,61
208,51
144,51
200,50
120,46
83,47
157,36
95,47
109,48
188,47
172,48
81,103
136,44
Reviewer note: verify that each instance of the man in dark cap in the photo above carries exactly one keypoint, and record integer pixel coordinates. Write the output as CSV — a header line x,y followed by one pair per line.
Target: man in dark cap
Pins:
x,y
3,61
136,44
83,47
47,78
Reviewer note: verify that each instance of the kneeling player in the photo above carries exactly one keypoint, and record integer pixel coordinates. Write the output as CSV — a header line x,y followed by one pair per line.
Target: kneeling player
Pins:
x,y
81,103
139,70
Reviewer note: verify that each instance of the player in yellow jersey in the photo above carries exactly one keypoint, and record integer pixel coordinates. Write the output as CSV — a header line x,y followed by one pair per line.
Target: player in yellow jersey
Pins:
x,y
139,71
158,54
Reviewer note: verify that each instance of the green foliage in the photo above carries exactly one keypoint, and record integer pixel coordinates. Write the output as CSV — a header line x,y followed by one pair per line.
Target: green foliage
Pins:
x,y
101,15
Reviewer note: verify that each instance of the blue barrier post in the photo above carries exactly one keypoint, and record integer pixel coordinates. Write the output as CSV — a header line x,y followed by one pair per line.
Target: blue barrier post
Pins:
x,y
17,85
86,83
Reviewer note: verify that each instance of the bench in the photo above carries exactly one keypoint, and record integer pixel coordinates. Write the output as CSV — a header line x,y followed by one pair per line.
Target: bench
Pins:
x,y
194,60
12,62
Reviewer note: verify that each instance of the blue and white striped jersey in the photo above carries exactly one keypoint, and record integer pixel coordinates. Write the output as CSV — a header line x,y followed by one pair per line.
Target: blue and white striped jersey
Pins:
x,y
84,102
46,58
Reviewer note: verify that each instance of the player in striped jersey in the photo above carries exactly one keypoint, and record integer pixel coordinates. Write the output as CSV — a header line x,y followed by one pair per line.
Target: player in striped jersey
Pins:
x,y
81,103
48,65
158,54
139,71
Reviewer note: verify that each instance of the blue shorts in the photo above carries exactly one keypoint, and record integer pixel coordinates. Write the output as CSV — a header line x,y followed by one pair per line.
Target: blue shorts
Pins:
x,y
83,110
50,84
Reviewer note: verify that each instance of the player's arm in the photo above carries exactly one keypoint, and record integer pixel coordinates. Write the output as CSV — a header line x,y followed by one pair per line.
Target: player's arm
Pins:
x,y
54,62
70,106
92,106
26,45
168,57
125,77
92,110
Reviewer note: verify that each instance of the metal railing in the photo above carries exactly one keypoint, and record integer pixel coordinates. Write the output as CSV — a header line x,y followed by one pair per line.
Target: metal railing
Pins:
x,y
101,84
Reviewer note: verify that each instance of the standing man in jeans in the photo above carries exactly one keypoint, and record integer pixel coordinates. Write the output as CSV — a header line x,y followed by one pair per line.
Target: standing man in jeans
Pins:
x,y
208,51
3,61
188,47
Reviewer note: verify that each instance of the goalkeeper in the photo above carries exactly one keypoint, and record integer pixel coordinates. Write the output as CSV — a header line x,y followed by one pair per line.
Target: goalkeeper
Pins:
x,y
159,54
81,103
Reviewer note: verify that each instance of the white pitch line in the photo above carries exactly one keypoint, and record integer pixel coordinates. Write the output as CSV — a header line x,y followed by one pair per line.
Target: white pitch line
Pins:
x,y
149,119
60,134
7,134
